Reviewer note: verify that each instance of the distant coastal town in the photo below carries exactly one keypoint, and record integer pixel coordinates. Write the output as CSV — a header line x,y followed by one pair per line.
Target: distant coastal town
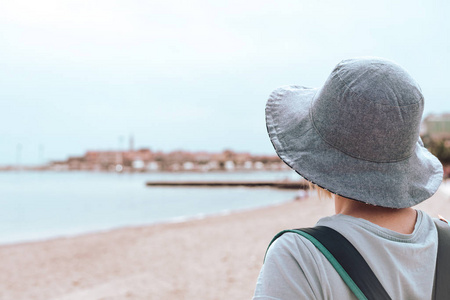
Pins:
x,y
145,160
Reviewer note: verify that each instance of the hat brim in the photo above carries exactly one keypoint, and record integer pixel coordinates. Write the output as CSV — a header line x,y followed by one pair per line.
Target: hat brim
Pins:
x,y
390,184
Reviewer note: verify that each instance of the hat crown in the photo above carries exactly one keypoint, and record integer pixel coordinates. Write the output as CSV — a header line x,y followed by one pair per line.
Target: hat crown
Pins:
x,y
370,109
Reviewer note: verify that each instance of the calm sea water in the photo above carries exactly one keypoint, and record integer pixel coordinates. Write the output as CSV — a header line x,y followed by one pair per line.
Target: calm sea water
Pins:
x,y
42,205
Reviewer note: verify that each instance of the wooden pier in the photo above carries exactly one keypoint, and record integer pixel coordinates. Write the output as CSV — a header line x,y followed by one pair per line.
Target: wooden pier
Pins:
x,y
272,184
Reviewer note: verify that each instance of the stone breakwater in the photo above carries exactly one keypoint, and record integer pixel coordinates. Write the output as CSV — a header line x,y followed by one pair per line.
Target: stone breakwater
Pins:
x,y
271,184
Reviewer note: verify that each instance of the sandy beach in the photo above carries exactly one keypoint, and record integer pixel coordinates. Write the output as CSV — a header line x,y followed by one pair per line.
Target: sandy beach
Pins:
x,y
217,257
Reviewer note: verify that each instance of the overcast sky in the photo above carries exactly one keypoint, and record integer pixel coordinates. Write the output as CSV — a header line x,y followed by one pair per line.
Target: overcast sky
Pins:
x,y
194,75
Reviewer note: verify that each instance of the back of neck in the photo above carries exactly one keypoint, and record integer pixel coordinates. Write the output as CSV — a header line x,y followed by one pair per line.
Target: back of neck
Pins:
x,y
400,220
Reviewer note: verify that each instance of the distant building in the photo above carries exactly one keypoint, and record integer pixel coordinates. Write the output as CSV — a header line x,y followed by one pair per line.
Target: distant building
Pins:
x,y
436,126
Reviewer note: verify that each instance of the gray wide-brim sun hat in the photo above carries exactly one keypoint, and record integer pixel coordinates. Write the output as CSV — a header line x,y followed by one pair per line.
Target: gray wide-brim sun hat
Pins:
x,y
358,135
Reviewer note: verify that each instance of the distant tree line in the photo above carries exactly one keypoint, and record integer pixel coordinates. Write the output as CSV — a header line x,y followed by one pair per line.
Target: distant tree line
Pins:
x,y
438,147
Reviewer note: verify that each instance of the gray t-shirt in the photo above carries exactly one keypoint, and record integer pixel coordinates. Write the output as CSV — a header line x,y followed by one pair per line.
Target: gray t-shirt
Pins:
x,y
404,263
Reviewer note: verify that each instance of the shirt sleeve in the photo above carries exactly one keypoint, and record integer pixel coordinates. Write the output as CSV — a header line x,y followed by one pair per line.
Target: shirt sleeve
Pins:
x,y
290,271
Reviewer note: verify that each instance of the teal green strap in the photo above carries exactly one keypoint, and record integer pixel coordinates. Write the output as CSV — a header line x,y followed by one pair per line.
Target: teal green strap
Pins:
x,y
347,279
441,288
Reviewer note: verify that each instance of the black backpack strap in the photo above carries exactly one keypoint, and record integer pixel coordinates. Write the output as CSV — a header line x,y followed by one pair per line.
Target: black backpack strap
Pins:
x,y
441,289
347,261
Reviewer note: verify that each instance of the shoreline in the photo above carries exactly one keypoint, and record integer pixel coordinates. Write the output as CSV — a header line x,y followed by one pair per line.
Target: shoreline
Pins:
x,y
173,220
216,257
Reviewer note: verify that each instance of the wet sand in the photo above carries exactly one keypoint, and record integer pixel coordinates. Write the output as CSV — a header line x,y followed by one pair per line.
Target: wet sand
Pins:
x,y
213,258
